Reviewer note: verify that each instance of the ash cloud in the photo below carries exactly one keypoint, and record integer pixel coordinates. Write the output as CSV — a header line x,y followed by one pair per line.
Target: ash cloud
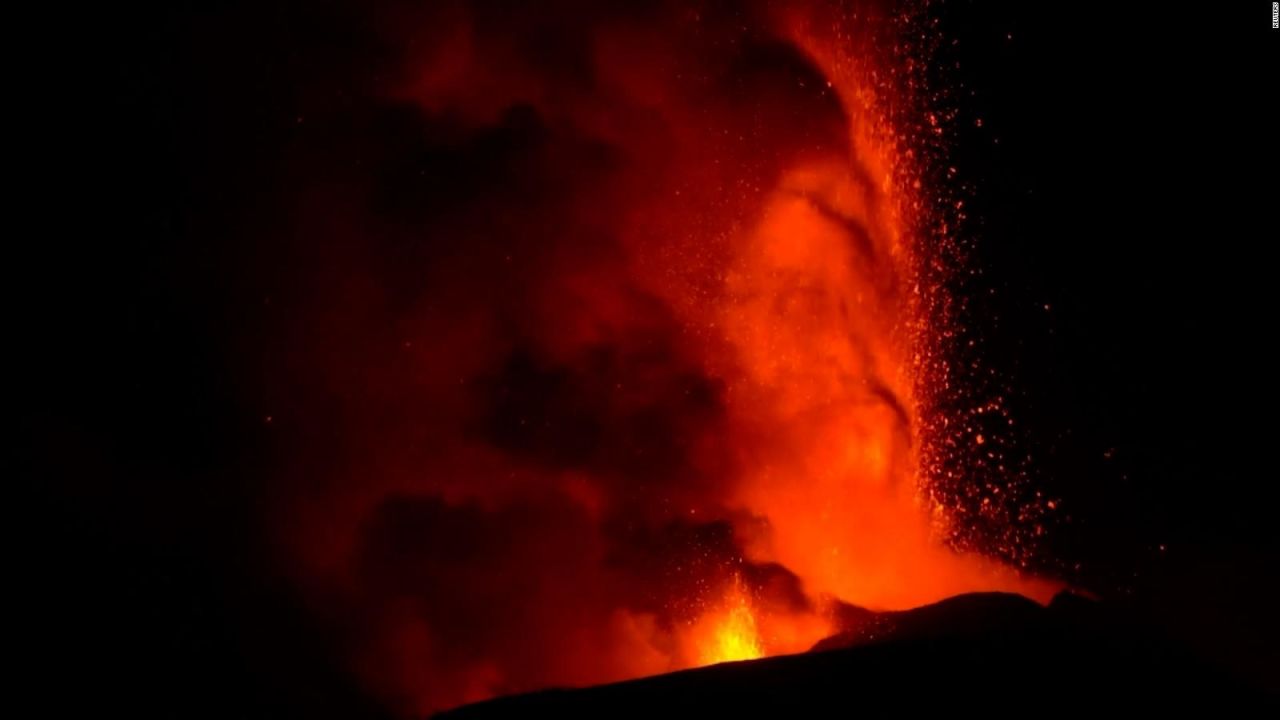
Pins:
x,y
586,340
506,455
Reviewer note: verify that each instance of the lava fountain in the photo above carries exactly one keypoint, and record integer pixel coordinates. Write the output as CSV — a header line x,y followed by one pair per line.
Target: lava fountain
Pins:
x,y
623,351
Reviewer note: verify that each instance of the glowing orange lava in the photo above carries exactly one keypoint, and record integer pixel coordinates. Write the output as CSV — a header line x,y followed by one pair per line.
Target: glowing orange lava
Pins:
x,y
829,371
729,633
670,395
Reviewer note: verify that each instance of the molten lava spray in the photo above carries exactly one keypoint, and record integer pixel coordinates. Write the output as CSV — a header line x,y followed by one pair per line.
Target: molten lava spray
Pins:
x,y
728,633
621,351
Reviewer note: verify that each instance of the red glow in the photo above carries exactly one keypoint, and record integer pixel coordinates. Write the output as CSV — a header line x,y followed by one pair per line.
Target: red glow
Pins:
x,y
668,403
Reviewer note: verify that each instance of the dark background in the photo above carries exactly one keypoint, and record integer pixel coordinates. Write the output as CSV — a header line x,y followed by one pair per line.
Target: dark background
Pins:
x,y
1130,191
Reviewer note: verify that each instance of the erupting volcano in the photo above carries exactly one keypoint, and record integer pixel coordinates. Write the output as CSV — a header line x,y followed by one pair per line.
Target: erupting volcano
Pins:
x,y
630,350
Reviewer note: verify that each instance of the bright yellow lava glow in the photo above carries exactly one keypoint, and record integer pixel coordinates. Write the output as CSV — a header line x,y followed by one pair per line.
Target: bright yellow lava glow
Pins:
x,y
734,635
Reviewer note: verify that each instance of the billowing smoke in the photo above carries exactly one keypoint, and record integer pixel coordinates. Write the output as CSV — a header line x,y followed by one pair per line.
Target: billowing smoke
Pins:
x,y
607,354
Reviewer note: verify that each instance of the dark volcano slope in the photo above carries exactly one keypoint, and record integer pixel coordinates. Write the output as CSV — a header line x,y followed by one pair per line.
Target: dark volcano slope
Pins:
x,y
982,655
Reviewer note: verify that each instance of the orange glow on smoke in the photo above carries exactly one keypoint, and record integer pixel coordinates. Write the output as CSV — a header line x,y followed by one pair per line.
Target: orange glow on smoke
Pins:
x,y
817,321
675,397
